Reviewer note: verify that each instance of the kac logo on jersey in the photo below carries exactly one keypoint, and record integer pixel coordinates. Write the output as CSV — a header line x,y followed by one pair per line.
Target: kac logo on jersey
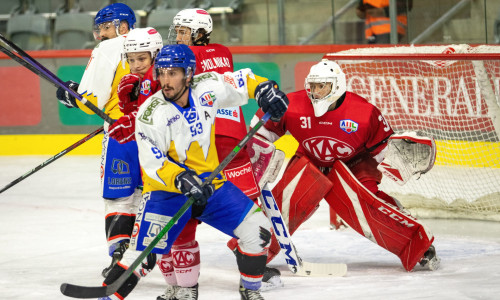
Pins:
x,y
348,126
327,149
146,87
207,99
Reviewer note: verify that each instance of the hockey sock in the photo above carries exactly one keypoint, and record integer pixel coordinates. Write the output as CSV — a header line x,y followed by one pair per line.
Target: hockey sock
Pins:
x,y
186,262
127,287
166,266
251,269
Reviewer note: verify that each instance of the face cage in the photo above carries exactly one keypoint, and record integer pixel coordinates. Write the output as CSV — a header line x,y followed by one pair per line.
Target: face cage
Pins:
x,y
187,74
172,36
324,81
96,30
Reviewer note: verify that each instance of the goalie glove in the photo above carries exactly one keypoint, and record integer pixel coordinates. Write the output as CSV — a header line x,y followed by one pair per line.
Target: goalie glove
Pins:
x,y
65,97
123,129
271,99
189,184
408,154
128,92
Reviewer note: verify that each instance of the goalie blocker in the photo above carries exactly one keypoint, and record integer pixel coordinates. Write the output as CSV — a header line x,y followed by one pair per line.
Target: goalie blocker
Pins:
x,y
303,186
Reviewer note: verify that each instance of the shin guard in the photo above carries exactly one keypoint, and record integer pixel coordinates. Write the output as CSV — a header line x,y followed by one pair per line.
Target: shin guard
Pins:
x,y
299,191
377,220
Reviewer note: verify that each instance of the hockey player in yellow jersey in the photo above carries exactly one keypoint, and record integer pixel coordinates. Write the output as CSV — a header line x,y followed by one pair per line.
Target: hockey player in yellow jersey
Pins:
x,y
120,171
175,136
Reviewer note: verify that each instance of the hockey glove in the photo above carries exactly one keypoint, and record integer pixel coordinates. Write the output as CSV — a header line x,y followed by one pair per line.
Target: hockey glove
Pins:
x,y
128,91
190,185
271,99
123,129
65,97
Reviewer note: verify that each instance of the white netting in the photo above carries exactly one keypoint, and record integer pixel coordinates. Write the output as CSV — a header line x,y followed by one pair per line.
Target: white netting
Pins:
x,y
455,100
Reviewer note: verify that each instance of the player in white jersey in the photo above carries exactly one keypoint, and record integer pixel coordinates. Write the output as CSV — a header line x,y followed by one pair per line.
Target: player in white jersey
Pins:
x,y
175,135
120,171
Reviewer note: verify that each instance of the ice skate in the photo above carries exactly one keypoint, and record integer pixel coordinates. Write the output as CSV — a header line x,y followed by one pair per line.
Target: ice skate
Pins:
x,y
116,257
189,293
271,279
247,294
430,261
169,293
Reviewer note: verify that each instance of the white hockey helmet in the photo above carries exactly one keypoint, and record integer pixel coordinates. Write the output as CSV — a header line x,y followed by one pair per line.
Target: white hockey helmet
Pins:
x,y
331,79
194,19
142,40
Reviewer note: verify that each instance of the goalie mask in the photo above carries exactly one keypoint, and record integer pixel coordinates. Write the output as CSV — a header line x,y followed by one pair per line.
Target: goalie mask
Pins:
x,y
197,20
324,85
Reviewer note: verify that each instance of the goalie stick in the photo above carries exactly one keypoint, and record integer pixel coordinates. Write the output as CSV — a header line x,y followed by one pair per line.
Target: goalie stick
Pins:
x,y
78,291
30,63
295,263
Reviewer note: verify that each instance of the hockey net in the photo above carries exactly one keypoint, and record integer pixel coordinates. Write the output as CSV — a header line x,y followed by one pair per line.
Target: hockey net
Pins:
x,y
448,92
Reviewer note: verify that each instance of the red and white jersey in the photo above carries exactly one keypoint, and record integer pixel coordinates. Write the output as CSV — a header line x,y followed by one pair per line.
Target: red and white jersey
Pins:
x,y
148,86
355,127
218,58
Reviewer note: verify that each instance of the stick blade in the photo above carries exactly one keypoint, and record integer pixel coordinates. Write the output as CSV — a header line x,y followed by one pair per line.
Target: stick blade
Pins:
x,y
84,292
310,269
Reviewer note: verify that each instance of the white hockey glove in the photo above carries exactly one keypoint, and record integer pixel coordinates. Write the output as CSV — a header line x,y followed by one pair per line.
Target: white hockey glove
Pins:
x,y
266,160
408,154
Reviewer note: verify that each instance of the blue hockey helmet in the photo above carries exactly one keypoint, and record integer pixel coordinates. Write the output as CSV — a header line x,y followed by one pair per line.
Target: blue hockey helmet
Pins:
x,y
116,13
176,56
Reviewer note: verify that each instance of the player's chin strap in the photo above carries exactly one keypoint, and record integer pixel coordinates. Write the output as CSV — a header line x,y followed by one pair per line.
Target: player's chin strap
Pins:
x,y
408,154
30,63
77,291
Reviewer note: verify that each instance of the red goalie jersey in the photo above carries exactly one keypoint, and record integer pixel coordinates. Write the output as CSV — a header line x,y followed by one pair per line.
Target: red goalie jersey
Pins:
x,y
355,128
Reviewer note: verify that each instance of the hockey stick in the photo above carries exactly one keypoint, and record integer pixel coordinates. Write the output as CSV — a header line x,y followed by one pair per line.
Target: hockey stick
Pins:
x,y
52,159
25,64
296,265
77,291
40,70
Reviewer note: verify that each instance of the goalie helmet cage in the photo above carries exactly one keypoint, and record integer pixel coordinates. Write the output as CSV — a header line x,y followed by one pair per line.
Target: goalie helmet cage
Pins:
x,y
447,92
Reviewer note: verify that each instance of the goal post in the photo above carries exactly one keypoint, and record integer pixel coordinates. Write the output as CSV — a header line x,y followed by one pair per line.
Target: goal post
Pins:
x,y
449,92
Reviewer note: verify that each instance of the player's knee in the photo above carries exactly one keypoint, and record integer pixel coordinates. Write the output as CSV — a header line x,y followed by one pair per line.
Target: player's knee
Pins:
x,y
254,232
127,204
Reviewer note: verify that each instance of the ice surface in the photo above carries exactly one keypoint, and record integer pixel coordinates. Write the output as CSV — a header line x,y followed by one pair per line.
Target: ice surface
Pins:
x,y
52,231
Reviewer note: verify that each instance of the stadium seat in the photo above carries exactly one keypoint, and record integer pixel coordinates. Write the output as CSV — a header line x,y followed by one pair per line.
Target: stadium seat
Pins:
x,y
161,19
29,31
74,31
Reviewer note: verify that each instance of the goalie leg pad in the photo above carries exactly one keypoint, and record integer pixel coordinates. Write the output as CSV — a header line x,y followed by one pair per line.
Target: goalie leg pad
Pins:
x,y
266,160
299,191
377,220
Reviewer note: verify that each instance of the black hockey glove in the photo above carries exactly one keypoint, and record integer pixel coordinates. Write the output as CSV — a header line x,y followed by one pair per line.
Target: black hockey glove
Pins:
x,y
190,185
271,99
66,98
